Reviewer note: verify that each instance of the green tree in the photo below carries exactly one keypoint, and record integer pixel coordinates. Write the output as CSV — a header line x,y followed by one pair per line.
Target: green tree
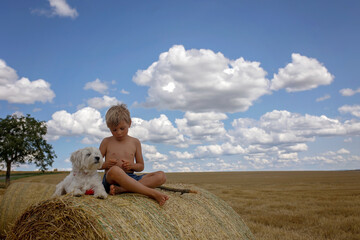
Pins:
x,y
21,141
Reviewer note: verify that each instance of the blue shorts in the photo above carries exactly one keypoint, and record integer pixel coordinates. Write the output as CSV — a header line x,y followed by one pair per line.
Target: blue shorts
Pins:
x,y
107,185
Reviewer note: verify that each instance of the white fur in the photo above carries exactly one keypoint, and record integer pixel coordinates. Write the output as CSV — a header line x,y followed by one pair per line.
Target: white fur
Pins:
x,y
84,175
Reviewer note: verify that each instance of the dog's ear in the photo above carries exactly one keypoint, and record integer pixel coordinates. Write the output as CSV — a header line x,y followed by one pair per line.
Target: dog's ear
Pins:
x,y
76,159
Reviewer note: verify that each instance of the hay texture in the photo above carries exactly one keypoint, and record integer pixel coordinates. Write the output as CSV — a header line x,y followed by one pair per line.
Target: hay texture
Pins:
x,y
132,216
18,197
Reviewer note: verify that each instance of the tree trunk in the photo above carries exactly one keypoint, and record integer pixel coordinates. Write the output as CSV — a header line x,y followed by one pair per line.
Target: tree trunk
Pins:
x,y
8,169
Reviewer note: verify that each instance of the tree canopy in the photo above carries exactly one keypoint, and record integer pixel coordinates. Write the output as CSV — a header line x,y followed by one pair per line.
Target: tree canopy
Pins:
x,y
21,141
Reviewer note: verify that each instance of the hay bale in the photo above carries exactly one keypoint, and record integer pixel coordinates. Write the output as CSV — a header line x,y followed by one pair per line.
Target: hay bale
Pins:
x,y
132,216
18,197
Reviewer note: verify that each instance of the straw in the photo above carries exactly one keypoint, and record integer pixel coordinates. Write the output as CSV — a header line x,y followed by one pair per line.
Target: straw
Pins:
x,y
132,216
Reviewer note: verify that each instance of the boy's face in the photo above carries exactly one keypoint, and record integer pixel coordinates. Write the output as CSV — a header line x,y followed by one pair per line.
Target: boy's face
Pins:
x,y
120,131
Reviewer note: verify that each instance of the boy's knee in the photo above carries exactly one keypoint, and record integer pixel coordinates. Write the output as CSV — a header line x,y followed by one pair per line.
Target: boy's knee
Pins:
x,y
114,170
162,177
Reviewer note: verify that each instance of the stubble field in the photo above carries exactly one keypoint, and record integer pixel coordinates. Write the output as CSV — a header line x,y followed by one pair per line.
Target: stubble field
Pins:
x,y
281,205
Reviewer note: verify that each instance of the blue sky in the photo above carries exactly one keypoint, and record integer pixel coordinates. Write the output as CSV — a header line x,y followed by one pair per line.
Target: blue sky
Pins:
x,y
211,85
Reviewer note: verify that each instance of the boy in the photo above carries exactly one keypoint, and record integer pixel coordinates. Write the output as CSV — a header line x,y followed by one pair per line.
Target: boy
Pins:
x,y
119,151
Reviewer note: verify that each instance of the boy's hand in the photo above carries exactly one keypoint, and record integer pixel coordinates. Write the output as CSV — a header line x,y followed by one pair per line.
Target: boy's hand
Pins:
x,y
110,163
127,166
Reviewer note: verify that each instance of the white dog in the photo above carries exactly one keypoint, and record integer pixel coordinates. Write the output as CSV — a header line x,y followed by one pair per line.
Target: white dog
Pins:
x,y
84,176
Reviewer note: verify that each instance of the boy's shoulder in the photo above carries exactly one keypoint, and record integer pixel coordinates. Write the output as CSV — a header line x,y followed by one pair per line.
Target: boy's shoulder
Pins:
x,y
134,139
106,140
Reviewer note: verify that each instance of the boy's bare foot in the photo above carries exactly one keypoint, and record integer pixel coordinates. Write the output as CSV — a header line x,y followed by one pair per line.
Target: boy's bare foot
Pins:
x,y
116,190
160,198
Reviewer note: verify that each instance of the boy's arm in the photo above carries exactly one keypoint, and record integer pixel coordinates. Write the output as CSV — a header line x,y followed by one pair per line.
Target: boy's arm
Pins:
x,y
138,166
108,163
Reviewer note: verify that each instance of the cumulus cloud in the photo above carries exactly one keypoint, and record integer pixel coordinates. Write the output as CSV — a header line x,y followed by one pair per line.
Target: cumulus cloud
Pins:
x,y
325,97
61,8
151,154
15,90
86,122
157,130
283,127
272,141
353,110
340,157
348,92
275,140
58,8
301,74
202,81
182,155
104,102
218,150
200,127
123,91
97,86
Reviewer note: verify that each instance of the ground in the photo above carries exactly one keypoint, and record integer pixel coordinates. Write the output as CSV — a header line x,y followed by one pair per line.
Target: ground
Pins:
x,y
280,205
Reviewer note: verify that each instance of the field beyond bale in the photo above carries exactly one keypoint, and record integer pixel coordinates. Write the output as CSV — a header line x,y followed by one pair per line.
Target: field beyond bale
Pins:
x,y
280,205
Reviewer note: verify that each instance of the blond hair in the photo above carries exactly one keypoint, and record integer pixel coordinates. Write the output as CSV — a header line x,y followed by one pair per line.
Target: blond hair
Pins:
x,y
117,114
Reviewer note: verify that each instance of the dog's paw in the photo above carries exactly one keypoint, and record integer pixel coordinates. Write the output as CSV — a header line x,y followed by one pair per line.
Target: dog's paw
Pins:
x,y
101,196
77,193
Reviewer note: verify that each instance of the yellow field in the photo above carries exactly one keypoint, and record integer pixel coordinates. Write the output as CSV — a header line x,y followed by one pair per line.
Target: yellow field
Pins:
x,y
281,205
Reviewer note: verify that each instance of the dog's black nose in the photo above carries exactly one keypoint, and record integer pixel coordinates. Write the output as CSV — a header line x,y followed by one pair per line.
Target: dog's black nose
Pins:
x,y
97,159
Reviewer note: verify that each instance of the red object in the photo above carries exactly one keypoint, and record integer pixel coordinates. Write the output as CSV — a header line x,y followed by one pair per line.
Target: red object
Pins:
x,y
89,192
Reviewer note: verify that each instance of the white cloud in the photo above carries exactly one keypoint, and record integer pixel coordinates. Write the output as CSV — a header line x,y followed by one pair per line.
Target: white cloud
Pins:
x,y
15,90
217,150
300,147
151,154
157,130
278,136
283,127
104,102
343,151
302,74
18,114
342,157
273,141
353,110
202,126
159,166
201,80
348,92
58,8
123,91
325,97
86,122
97,86
182,155
61,8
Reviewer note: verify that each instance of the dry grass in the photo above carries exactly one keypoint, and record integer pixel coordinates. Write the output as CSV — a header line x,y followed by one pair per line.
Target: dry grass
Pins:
x,y
289,205
282,205
126,216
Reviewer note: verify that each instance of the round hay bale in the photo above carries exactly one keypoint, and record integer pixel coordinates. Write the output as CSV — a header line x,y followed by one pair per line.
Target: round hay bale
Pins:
x,y
132,216
18,197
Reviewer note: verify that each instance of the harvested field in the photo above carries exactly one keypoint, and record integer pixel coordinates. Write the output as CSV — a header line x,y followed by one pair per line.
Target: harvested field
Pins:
x,y
282,205
289,205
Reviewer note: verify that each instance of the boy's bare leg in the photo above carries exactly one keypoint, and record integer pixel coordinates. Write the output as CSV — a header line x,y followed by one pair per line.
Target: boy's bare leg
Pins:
x,y
153,180
117,176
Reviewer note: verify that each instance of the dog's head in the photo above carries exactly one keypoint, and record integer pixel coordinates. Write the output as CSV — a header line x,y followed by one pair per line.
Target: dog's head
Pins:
x,y
88,158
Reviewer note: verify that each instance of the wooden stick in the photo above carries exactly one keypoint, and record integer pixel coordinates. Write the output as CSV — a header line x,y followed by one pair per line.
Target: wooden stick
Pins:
x,y
182,191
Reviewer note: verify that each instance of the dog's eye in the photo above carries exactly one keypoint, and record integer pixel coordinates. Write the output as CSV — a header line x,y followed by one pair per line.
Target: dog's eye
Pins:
x,y
88,155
